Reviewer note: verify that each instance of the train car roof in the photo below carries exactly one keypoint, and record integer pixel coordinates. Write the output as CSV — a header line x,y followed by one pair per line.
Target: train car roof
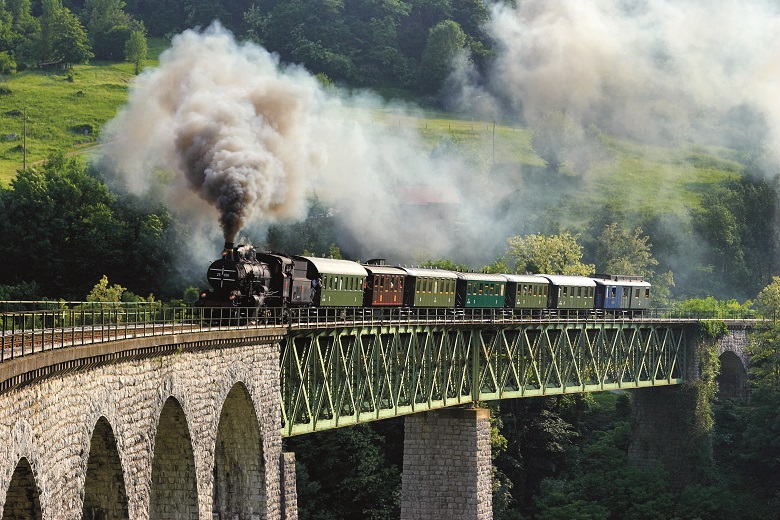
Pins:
x,y
579,281
384,269
433,273
336,266
625,283
525,278
481,277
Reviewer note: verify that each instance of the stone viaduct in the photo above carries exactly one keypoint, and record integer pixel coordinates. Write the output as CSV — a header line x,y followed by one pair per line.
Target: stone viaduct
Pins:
x,y
169,427
173,430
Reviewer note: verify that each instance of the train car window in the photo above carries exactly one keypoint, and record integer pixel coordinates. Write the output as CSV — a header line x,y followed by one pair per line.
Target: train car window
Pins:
x,y
503,287
613,291
636,294
626,292
647,292
565,291
579,292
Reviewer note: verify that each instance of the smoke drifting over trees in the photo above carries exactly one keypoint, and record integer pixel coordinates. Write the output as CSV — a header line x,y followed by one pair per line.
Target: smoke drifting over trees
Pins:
x,y
253,137
651,69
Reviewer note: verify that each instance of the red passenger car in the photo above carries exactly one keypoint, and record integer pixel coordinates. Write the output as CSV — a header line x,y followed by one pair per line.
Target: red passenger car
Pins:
x,y
384,285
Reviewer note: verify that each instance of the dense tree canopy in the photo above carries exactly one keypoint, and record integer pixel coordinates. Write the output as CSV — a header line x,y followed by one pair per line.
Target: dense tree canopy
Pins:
x,y
64,230
559,254
737,224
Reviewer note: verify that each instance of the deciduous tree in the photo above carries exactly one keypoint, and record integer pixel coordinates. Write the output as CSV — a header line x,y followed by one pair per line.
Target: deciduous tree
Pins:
x,y
445,40
135,49
556,254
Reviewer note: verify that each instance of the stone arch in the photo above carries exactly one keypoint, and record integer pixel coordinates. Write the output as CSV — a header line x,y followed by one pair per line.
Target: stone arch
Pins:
x,y
174,485
239,467
732,380
105,495
23,497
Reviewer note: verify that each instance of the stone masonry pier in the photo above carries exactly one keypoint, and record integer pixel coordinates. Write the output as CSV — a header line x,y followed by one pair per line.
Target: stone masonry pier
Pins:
x,y
447,469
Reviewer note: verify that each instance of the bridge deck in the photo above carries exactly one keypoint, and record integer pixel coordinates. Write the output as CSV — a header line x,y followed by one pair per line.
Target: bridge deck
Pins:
x,y
349,366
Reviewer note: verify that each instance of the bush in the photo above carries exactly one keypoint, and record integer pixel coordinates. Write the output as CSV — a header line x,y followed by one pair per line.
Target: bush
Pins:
x,y
7,65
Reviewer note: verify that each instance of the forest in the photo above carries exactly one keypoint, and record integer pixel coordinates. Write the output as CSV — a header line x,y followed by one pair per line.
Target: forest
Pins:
x,y
67,229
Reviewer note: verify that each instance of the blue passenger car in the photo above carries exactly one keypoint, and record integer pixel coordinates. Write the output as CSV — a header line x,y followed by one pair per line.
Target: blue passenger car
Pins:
x,y
619,293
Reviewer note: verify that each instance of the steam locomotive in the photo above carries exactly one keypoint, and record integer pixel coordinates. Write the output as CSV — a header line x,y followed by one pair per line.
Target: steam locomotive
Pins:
x,y
245,282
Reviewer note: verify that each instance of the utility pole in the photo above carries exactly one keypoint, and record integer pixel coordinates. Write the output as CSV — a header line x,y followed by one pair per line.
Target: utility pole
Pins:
x,y
24,140
494,143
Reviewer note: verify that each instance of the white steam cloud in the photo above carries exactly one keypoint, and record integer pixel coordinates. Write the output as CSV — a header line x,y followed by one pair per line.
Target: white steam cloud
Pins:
x,y
650,69
254,138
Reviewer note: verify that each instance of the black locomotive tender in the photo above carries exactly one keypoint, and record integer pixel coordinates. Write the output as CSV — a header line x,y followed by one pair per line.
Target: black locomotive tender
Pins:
x,y
249,284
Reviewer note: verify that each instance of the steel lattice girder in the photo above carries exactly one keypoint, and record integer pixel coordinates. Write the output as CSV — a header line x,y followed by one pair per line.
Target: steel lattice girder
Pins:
x,y
343,376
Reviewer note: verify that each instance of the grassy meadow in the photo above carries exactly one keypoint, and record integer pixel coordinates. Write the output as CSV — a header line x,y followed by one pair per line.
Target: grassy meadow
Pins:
x,y
66,110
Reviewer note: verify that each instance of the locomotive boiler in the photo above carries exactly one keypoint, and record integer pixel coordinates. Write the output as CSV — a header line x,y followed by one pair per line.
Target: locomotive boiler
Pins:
x,y
239,281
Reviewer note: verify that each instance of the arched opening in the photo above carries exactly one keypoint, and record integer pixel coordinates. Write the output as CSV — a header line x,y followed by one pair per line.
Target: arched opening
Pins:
x,y
732,380
174,493
104,487
22,499
239,470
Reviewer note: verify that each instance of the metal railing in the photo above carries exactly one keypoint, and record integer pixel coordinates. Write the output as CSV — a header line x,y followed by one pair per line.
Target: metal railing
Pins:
x,y
31,327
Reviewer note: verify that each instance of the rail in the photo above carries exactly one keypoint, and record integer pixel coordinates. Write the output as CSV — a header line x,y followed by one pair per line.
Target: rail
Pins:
x,y
32,327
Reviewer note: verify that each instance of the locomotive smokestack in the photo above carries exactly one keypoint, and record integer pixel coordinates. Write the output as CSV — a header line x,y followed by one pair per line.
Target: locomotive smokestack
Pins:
x,y
227,251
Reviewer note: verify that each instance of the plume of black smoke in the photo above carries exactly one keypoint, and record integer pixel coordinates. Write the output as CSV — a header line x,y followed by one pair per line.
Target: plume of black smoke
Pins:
x,y
229,120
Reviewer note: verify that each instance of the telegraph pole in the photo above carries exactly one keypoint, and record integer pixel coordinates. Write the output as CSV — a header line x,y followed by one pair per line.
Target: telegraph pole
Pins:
x,y
24,140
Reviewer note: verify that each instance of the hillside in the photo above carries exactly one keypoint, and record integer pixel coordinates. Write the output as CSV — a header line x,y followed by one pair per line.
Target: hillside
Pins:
x,y
66,110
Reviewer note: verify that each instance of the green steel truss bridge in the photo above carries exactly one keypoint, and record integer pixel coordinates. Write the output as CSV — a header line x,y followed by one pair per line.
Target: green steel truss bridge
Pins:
x,y
340,373
339,368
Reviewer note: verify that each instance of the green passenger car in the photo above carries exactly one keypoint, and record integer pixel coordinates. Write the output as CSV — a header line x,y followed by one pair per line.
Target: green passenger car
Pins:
x,y
571,292
337,283
525,291
429,288
480,290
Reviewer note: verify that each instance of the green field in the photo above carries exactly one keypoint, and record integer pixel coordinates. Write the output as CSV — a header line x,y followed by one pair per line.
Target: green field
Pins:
x,y
66,110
